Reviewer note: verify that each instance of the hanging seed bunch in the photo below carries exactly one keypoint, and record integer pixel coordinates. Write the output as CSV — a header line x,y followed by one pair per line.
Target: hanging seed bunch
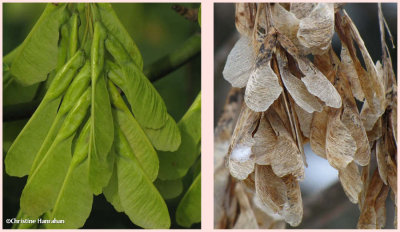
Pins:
x,y
84,138
290,100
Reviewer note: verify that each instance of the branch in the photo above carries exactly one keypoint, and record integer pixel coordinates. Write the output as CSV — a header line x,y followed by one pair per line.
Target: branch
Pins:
x,y
174,60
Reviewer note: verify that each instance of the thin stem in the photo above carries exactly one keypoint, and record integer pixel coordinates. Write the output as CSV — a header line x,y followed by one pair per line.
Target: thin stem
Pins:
x,y
190,49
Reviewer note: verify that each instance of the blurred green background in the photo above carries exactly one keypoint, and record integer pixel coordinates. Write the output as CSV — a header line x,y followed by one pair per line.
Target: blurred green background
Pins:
x,y
157,30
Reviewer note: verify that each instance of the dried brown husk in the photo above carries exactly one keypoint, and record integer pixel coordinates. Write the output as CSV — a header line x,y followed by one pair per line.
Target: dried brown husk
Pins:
x,y
286,157
285,22
296,87
318,132
305,120
270,189
340,145
380,207
351,119
239,63
392,175
368,215
245,15
262,89
302,10
241,161
380,152
348,69
246,219
317,84
393,118
316,30
265,141
350,179
373,77
376,131
293,209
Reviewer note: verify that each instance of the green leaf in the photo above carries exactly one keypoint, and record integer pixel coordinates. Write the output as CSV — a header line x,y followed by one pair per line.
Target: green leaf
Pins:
x,y
169,189
189,209
37,55
101,137
22,152
139,197
167,138
115,27
174,165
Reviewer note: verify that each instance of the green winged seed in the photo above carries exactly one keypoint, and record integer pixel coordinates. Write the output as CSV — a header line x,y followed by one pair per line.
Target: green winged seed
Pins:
x,y
76,89
110,20
74,201
73,41
117,50
137,139
60,82
44,183
101,138
189,209
175,165
167,138
63,47
138,196
36,57
75,117
111,191
146,103
169,189
22,153
97,51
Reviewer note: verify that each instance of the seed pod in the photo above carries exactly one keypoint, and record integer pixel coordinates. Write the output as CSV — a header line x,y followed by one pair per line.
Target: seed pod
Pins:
x,y
97,51
76,89
75,116
64,76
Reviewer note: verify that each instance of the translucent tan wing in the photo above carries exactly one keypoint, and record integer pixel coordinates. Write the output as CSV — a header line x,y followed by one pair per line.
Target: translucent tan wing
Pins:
x,y
317,84
293,209
270,189
241,161
246,219
239,63
286,157
350,179
262,89
296,87
340,145
302,10
318,132
305,120
316,30
348,69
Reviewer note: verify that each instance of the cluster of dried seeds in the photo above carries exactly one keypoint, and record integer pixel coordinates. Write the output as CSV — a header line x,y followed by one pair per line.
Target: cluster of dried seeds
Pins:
x,y
345,111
